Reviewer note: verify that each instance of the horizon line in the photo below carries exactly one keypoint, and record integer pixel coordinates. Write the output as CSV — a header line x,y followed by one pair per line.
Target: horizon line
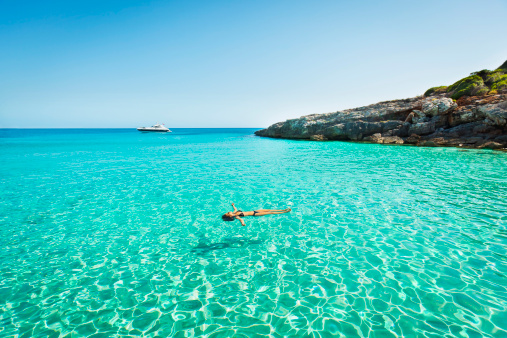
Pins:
x,y
2,128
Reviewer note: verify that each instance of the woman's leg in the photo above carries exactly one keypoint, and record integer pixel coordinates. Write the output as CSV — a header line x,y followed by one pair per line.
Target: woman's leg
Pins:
x,y
270,212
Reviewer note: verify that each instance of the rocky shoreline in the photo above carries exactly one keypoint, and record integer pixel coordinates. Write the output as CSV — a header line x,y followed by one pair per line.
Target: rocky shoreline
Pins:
x,y
471,121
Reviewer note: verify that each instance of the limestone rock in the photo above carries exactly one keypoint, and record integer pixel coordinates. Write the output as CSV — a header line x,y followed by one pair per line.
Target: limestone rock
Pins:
x,y
463,115
416,116
454,142
438,106
439,141
392,140
430,107
492,145
479,143
474,140
318,138
422,128
484,128
501,139
375,138
495,113
410,118
428,143
402,131
336,132
378,138
433,142
353,124
438,119
356,130
390,125
419,117
413,139
463,129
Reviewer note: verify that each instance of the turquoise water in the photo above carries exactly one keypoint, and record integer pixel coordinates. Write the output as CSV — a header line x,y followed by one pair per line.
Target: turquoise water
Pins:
x,y
116,233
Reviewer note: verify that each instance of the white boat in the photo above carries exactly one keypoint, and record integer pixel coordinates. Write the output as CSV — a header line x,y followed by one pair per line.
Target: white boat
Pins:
x,y
160,128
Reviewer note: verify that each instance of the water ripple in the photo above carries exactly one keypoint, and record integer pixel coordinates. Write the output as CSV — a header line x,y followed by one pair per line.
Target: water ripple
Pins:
x,y
119,234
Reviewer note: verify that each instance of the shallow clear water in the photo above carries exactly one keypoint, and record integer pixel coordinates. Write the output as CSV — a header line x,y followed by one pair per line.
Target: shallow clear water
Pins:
x,y
114,232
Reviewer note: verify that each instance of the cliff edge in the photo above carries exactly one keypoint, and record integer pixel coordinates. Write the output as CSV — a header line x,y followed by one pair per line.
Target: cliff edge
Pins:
x,y
470,113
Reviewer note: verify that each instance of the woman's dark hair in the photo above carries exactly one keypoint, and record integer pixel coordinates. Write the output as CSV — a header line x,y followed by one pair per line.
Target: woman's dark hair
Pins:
x,y
227,218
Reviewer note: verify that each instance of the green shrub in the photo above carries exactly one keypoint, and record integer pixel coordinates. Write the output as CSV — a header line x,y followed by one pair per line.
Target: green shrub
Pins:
x,y
500,83
481,91
478,83
494,76
482,73
436,90
470,85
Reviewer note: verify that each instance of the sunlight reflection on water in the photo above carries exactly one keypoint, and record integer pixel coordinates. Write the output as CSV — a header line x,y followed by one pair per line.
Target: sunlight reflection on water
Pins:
x,y
119,233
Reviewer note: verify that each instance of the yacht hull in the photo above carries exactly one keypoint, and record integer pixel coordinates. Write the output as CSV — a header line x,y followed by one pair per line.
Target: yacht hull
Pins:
x,y
153,130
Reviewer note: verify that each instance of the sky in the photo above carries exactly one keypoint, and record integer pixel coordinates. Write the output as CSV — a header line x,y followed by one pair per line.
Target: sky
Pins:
x,y
222,63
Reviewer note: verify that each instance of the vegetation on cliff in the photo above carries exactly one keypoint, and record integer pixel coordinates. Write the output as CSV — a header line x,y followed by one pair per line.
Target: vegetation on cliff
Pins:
x,y
478,83
472,85
436,90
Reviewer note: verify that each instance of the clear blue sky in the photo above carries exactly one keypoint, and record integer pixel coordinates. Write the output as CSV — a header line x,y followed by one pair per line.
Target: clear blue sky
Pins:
x,y
126,63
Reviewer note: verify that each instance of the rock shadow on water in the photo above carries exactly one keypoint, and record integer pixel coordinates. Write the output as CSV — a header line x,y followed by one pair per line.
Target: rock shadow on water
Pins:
x,y
205,246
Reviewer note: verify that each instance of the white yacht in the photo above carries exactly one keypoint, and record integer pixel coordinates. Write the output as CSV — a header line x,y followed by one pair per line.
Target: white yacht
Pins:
x,y
160,128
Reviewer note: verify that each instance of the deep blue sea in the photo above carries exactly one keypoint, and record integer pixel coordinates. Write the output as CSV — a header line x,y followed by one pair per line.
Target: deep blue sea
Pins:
x,y
116,233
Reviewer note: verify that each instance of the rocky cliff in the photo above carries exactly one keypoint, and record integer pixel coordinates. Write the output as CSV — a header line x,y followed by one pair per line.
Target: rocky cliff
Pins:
x,y
435,119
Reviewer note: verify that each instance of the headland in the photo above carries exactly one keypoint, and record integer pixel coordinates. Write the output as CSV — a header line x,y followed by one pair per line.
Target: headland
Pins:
x,y
470,113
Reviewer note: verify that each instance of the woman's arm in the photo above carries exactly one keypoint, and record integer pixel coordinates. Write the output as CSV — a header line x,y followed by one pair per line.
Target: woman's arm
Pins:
x,y
234,207
241,220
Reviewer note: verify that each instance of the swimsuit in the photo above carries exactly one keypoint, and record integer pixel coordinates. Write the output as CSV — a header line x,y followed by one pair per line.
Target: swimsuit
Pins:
x,y
243,215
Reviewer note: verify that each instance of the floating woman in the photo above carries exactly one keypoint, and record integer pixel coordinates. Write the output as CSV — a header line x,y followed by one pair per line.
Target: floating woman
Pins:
x,y
238,214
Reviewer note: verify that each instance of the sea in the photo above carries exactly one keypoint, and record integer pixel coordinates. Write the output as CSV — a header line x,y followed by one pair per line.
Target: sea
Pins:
x,y
117,233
